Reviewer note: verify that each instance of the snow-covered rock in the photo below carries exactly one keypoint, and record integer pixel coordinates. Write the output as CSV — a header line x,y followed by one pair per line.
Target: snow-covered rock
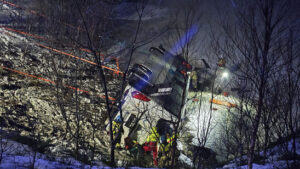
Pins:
x,y
33,105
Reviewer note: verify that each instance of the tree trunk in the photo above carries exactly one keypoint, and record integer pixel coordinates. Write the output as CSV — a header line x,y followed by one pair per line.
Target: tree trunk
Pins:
x,y
255,127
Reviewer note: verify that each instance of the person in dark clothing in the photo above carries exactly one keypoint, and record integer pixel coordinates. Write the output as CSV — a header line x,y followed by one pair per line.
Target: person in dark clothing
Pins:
x,y
202,156
132,146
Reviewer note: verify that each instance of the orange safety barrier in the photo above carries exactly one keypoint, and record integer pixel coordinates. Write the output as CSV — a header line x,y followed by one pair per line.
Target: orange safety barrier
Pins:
x,y
52,82
220,102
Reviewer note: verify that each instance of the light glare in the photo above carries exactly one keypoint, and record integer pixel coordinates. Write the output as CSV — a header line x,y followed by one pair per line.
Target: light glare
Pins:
x,y
225,74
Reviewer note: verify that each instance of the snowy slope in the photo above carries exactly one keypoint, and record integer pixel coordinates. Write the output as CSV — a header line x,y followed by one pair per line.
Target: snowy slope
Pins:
x,y
200,117
17,155
20,156
273,161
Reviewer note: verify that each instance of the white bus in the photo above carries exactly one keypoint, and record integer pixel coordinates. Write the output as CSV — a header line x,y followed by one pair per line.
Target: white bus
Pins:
x,y
155,92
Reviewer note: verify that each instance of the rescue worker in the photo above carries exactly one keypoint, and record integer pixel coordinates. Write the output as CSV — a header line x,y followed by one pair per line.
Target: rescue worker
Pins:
x,y
194,79
171,139
164,152
221,62
151,144
169,147
203,156
117,131
132,145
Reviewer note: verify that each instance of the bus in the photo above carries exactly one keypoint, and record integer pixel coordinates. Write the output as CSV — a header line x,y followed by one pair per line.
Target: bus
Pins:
x,y
156,87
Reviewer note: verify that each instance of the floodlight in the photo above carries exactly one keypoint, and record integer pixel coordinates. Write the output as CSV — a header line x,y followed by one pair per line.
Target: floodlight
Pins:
x,y
225,74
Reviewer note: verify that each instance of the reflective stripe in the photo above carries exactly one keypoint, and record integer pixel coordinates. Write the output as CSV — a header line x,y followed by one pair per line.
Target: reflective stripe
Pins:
x,y
115,127
171,139
165,148
153,137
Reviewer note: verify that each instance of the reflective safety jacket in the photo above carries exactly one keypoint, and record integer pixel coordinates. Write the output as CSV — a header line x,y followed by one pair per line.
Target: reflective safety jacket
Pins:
x,y
171,139
164,148
154,136
115,127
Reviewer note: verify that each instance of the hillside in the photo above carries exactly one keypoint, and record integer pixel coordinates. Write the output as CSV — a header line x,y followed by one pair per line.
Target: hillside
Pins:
x,y
149,83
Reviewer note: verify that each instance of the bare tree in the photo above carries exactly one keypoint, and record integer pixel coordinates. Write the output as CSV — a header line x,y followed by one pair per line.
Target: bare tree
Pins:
x,y
181,40
100,73
253,42
290,82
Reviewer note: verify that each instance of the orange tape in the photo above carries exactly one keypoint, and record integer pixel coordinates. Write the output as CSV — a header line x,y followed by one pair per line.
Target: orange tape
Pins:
x,y
17,6
195,100
89,51
52,82
110,98
117,61
76,57
64,53
29,75
11,4
23,33
74,88
220,102
85,50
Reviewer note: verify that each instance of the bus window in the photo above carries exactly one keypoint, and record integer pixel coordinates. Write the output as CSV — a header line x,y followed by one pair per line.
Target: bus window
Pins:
x,y
130,121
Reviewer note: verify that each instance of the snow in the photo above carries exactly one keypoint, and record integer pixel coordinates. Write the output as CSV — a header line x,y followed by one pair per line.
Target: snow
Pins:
x,y
11,38
183,158
274,165
198,121
15,161
199,115
26,161
179,145
7,13
290,145
21,156
17,155
272,162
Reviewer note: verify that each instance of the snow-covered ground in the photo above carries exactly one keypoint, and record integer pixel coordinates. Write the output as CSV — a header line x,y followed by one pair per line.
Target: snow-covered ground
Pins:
x,y
273,161
201,116
20,156
7,14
